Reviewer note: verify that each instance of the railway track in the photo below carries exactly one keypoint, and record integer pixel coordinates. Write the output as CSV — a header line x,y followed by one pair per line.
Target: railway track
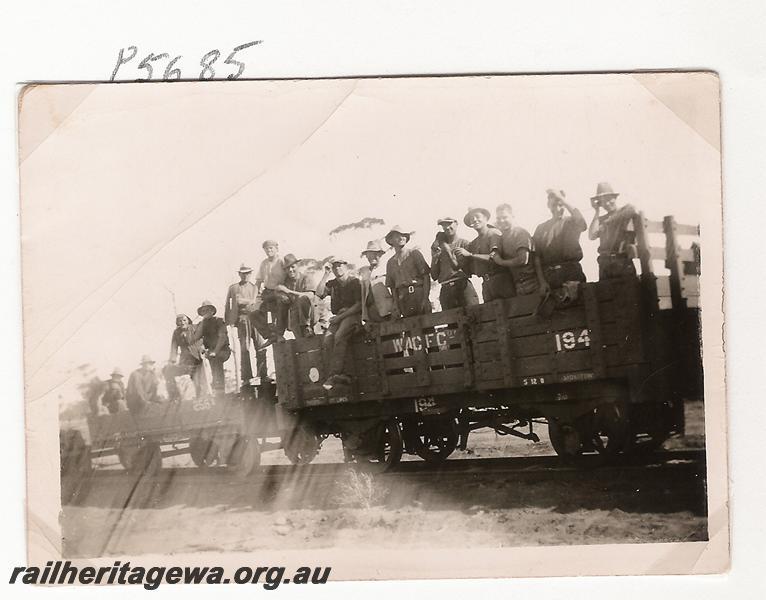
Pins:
x,y
680,462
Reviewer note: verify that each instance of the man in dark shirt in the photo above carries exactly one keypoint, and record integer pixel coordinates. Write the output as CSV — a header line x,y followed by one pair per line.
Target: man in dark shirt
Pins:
x,y
299,290
557,241
476,259
407,276
516,253
616,249
346,305
184,359
215,340
456,288
114,395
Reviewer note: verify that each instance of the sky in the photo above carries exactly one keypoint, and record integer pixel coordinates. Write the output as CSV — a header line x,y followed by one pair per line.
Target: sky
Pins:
x,y
138,200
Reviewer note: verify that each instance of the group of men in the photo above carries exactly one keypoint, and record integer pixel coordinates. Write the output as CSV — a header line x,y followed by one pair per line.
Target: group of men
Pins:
x,y
509,260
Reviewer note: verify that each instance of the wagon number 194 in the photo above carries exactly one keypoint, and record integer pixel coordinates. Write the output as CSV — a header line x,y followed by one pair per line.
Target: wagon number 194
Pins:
x,y
570,340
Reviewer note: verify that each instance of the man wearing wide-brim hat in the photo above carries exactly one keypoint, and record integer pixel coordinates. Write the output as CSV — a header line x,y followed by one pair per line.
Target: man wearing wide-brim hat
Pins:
x,y
616,233
408,275
114,394
215,341
345,293
239,309
456,288
476,259
301,293
377,302
142,386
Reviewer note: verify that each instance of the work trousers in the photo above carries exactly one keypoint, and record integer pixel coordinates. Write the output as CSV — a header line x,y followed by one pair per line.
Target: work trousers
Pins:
x,y
614,266
300,315
498,285
246,331
413,300
558,274
457,293
335,342
216,369
276,303
171,371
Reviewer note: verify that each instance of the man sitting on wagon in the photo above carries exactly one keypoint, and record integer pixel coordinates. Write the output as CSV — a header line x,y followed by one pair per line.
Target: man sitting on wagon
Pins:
x,y
142,387
617,247
215,341
557,242
408,276
476,259
346,305
114,394
300,292
516,253
184,359
456,288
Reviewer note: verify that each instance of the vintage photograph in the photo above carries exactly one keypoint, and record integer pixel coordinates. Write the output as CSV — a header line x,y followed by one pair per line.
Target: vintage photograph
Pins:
x,y
454,314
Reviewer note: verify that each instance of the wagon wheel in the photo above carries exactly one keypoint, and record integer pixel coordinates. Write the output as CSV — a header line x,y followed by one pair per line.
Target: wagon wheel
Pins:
x,y
245,456
126,453
385,449
147,461
611,429
301,445
647,442
435,439
566,438
204,452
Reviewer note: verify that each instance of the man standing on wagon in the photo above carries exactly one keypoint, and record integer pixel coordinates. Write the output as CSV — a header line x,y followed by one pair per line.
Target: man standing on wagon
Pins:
x,y
476,259
377,302
407,275
517,254
617,247
557,241
271,274
456,288
239,311
212,331
346,305
184,359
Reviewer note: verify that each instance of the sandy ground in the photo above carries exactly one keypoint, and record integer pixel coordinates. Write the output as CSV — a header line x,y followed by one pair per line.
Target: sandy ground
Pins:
x,y
355,510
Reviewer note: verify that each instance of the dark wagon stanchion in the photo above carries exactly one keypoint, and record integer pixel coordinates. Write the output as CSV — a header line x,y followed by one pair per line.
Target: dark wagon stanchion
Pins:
x,y
607,372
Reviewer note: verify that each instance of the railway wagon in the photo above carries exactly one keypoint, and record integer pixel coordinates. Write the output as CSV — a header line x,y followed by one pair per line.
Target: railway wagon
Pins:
x,y
223,429
607,371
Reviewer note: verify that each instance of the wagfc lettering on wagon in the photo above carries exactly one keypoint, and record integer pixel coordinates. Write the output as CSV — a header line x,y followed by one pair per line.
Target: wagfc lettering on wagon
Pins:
x,y
414,343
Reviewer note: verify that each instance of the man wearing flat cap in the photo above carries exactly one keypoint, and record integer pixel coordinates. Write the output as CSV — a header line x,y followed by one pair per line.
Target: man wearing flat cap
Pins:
x,y
301,293
184,359
557,241
477,258
215,341
142,387
271,275
377,302
456,288
408,276
345,293
615,232
239,308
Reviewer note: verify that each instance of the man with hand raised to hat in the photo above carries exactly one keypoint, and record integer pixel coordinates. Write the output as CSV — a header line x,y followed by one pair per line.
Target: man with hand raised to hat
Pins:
x,y
114,394
184,359
557,241
215,341
477,258
239,310
299,290
377,302
615,231
408,276
456,288
142,387
345,293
